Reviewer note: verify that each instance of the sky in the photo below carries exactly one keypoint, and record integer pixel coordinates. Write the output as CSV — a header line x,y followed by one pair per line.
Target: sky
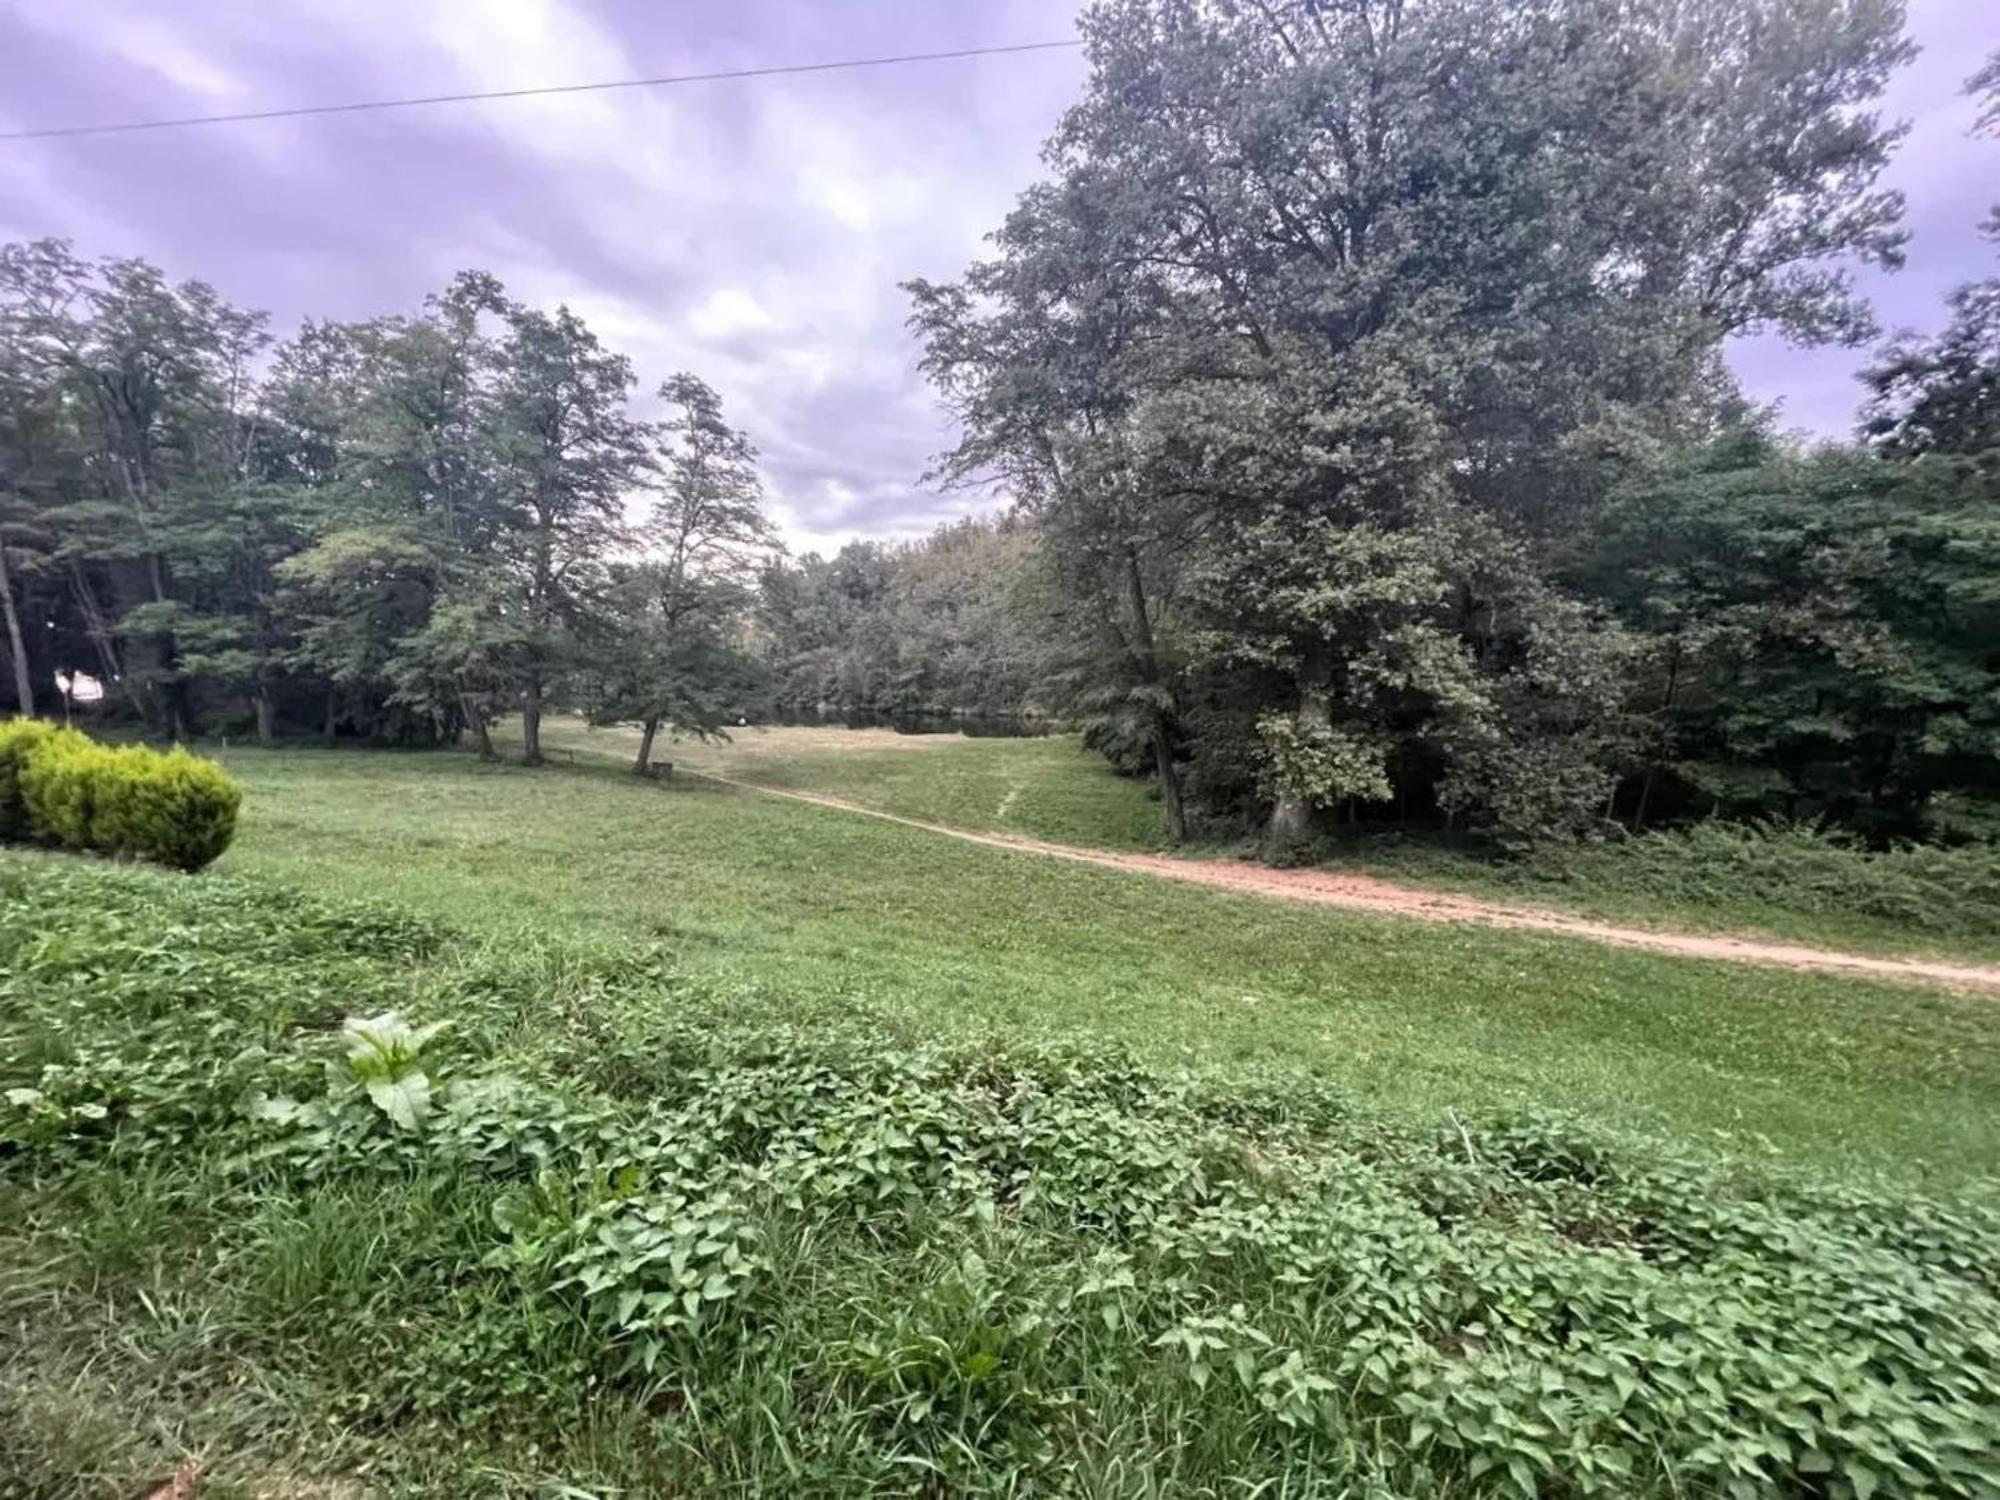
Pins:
x,y
754,232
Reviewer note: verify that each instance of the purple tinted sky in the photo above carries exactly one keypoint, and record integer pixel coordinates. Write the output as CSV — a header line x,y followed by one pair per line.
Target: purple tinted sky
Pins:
x,y
753,232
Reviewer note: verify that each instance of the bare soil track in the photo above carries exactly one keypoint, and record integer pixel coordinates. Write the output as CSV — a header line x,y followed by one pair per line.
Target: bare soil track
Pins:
x,y
1367,893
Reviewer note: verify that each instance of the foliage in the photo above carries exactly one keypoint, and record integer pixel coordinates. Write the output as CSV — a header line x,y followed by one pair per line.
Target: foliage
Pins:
x,y
1942,396
668,648
1329,322
397,528
987,1267
1816,635
19,740
917,633
1796,878
130,801
384,1052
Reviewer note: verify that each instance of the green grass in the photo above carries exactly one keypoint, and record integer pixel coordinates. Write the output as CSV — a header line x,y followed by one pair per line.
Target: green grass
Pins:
x,y
1048,787
1782,882
660,1232
1796,888
786,905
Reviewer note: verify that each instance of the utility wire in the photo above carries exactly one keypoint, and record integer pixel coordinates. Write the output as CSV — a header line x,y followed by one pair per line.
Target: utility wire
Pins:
x,y
133,126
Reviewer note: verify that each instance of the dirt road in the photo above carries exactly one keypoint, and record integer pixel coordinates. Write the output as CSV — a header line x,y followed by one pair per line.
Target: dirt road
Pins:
x,y
1366,893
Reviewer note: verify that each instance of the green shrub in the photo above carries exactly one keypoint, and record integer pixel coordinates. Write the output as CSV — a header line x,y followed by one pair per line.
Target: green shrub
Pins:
x,y
59,782
1800,867
174,808
20,738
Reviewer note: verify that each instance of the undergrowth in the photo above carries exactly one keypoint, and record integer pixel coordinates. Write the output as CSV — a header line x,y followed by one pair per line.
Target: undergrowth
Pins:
x,y
298,1187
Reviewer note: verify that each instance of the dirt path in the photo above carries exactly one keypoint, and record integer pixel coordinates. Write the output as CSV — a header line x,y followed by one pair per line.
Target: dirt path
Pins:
x,y
1367,893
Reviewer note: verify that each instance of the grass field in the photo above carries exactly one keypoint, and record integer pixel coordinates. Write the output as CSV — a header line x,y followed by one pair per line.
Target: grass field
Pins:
x,y
1047,788
795,905
1051,788
775,1150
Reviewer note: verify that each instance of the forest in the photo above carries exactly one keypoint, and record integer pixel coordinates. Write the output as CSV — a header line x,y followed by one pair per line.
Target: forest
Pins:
x,y
1350,400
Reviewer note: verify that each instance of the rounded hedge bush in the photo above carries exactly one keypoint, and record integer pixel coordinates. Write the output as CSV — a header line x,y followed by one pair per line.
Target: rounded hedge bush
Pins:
x,y
130,801
19,738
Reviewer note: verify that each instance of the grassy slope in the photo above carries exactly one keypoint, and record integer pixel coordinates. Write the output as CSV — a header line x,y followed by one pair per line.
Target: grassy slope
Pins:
x,y
992,1271
1051,788
781,904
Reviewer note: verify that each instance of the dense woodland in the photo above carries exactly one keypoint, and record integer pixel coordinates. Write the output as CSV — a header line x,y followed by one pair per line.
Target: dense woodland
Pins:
x,y
1351,392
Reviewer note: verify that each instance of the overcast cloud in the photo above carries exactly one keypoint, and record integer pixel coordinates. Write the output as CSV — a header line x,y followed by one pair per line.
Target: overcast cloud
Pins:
x,y
751,231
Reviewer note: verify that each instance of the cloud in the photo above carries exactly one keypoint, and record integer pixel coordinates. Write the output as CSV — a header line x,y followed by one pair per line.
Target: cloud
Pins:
x,y
754,232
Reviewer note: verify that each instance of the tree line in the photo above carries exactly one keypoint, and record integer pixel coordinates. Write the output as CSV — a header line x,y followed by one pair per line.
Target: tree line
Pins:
x,y
947,631
397,528
1353,383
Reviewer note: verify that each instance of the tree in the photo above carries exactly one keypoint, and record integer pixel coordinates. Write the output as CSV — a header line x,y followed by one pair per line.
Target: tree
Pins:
x,y
158,378
1817,633
1029,354
955,628
569,455
687,670
1985,87
462,663
1351,278
1943,395
673,650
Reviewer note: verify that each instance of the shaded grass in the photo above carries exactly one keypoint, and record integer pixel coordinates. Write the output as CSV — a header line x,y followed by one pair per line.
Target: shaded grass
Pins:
x,y
781,905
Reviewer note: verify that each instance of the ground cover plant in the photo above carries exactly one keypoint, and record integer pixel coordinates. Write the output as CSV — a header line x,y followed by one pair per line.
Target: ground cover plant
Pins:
x,y
319,1189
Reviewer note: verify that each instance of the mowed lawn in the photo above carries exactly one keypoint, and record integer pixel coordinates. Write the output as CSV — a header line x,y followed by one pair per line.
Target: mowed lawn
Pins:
x,y
773,905
1047,787
1052,788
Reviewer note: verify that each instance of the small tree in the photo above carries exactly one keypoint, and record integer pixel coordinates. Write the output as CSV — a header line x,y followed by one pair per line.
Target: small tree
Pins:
x,y
671,646
688,672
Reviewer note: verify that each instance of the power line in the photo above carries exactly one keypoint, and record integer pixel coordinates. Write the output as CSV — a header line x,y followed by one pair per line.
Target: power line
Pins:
x,y
128,127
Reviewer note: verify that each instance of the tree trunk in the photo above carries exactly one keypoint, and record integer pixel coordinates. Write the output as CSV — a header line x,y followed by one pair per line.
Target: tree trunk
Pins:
x,y
264,714
531,721
100,637
24,678
643,766
173,712
1170,780
475,716
332,716
1147,652
1291,823
1291,816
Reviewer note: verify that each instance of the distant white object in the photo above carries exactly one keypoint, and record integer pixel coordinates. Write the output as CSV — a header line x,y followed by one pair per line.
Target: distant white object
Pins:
x,y
79,687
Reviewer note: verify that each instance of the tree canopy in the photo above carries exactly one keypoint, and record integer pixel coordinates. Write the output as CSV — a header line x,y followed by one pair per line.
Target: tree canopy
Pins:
x,y
1336,331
